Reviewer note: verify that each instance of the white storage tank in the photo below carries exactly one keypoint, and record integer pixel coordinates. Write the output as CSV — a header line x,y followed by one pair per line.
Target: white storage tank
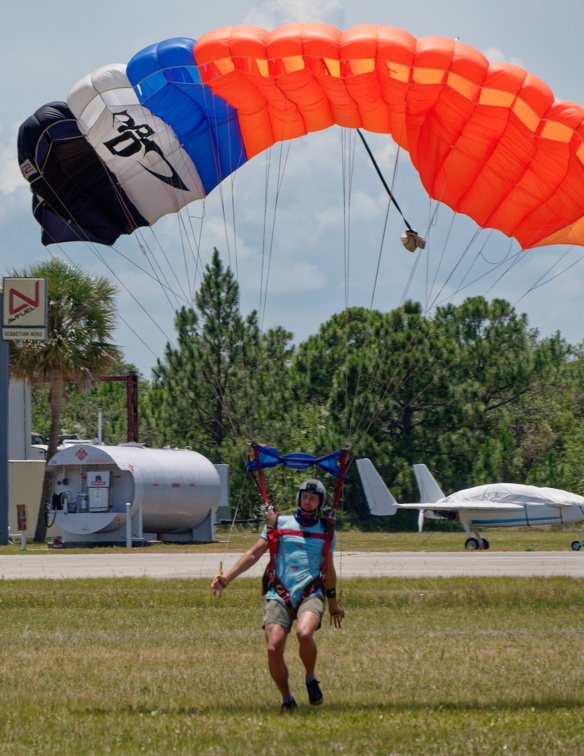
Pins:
x,y
173,494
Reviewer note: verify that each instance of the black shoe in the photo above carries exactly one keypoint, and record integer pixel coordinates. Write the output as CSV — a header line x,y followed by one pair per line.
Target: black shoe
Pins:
x,y
314,693
288,706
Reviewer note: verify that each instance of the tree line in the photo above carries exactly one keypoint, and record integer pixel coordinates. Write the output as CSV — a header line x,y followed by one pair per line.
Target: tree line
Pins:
x,y
472,391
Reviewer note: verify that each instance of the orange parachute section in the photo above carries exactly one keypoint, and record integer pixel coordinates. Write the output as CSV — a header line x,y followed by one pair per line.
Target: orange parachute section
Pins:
x,y
487,139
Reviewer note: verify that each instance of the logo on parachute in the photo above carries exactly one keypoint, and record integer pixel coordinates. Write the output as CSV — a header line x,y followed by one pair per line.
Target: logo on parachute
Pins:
x,y
134,137
28,169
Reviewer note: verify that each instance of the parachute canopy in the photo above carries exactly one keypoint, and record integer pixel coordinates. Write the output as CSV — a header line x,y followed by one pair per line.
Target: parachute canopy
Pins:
x,y
487,139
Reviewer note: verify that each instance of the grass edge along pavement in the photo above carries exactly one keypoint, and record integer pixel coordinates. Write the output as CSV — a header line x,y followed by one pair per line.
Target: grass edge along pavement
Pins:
x,y
550,538
439,666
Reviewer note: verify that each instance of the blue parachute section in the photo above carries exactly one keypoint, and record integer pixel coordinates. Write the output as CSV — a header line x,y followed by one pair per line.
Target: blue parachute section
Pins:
x,y
269,456
167,82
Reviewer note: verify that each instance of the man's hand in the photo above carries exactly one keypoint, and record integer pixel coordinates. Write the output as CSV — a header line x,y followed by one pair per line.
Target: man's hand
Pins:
x,y
337,613
219,583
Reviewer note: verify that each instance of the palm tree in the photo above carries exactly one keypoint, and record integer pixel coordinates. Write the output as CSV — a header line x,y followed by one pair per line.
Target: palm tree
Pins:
x,y
81,322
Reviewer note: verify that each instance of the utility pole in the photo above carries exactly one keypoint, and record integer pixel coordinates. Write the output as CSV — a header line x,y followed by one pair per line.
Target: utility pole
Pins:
x,y
131,381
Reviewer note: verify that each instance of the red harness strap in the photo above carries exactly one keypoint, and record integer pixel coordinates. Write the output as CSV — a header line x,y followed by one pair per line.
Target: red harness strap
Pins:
x,y
271,580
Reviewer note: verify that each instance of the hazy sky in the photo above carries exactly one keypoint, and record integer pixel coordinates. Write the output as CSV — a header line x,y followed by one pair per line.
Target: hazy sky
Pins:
x,y
301,213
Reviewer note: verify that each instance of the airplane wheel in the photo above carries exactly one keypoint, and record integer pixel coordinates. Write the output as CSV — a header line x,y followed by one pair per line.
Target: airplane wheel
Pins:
x,y
576,545
486,545
471,544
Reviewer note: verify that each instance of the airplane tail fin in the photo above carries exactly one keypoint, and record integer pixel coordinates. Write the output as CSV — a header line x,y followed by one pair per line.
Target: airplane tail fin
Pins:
x,y
430,491
379,498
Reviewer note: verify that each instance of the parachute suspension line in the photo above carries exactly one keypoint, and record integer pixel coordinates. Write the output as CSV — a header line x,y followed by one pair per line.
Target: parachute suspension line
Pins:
x,y
234,221
196,236
158,273
123,285
108,267
232,523
347,167
493,262
511,260
348,152
540,282
356,418
359,420
216,377
430,286
210,105
350,406
353,423
392,384
266,268
188,254
268,163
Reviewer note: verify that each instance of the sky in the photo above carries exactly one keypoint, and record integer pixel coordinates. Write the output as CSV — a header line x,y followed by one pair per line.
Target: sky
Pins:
x,y
303,227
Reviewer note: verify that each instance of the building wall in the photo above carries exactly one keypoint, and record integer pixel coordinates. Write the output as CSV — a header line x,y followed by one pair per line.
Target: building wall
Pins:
x,y
25,483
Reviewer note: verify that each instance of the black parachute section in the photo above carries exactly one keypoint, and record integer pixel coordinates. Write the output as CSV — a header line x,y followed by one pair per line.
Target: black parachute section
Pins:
x,y
75,198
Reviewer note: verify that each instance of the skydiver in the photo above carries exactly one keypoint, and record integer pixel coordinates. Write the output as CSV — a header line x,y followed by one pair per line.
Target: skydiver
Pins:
x,y
302,549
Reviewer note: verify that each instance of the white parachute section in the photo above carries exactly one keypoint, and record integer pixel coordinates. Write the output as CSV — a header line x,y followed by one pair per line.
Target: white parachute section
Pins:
x,y
139,148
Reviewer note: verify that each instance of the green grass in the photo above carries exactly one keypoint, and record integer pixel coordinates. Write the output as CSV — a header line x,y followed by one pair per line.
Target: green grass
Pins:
x,y
501,539
441,666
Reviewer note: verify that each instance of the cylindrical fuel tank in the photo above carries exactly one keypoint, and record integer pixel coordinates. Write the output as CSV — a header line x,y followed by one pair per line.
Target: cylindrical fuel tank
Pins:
x,y
176,488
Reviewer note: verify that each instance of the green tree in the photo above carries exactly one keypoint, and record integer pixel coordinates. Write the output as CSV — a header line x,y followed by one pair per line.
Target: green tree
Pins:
x,y
457,391
197,385
78,348
381,377
225,383
503,369
220,381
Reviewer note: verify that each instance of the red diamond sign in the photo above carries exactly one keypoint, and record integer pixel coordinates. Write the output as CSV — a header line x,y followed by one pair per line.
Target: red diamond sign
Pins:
x,y
81,454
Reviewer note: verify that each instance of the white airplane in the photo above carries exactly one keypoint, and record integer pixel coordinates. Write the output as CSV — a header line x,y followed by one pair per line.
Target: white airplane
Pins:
x,y
498,505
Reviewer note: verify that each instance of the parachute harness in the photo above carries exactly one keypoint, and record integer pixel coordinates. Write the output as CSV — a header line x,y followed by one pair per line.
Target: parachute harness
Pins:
x,y
335,464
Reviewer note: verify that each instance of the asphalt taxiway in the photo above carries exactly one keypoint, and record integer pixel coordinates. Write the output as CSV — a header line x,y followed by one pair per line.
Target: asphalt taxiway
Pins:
x,y
60,564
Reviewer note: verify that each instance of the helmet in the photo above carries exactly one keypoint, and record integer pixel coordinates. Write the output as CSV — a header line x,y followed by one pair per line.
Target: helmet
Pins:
x,y
314,486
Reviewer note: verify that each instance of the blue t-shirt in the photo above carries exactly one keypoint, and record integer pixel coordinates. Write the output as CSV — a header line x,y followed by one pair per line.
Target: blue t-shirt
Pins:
x,y
299,559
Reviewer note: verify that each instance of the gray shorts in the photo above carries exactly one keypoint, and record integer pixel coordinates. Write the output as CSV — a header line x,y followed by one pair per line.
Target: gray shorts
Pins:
x,y
276,612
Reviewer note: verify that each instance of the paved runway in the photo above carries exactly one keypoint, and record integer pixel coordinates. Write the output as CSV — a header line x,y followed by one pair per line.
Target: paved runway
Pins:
x,y
60,564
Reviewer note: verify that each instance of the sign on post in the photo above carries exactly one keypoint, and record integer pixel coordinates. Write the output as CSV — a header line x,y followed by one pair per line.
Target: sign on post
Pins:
x,y
25,313
25,317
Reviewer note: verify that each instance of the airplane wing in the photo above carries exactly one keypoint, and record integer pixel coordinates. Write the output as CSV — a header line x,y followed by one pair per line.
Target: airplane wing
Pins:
x,y
381,501
457,506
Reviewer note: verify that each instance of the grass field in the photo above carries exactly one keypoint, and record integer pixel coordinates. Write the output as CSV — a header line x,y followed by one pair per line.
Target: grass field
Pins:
x,y
502,539
441,666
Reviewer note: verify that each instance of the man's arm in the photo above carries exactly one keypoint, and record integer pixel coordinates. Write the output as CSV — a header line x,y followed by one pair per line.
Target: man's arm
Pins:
x,y
336,611
250,557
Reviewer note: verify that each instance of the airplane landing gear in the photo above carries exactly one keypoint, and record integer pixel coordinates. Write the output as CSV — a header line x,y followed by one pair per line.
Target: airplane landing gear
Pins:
x,y
577,545
474,544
